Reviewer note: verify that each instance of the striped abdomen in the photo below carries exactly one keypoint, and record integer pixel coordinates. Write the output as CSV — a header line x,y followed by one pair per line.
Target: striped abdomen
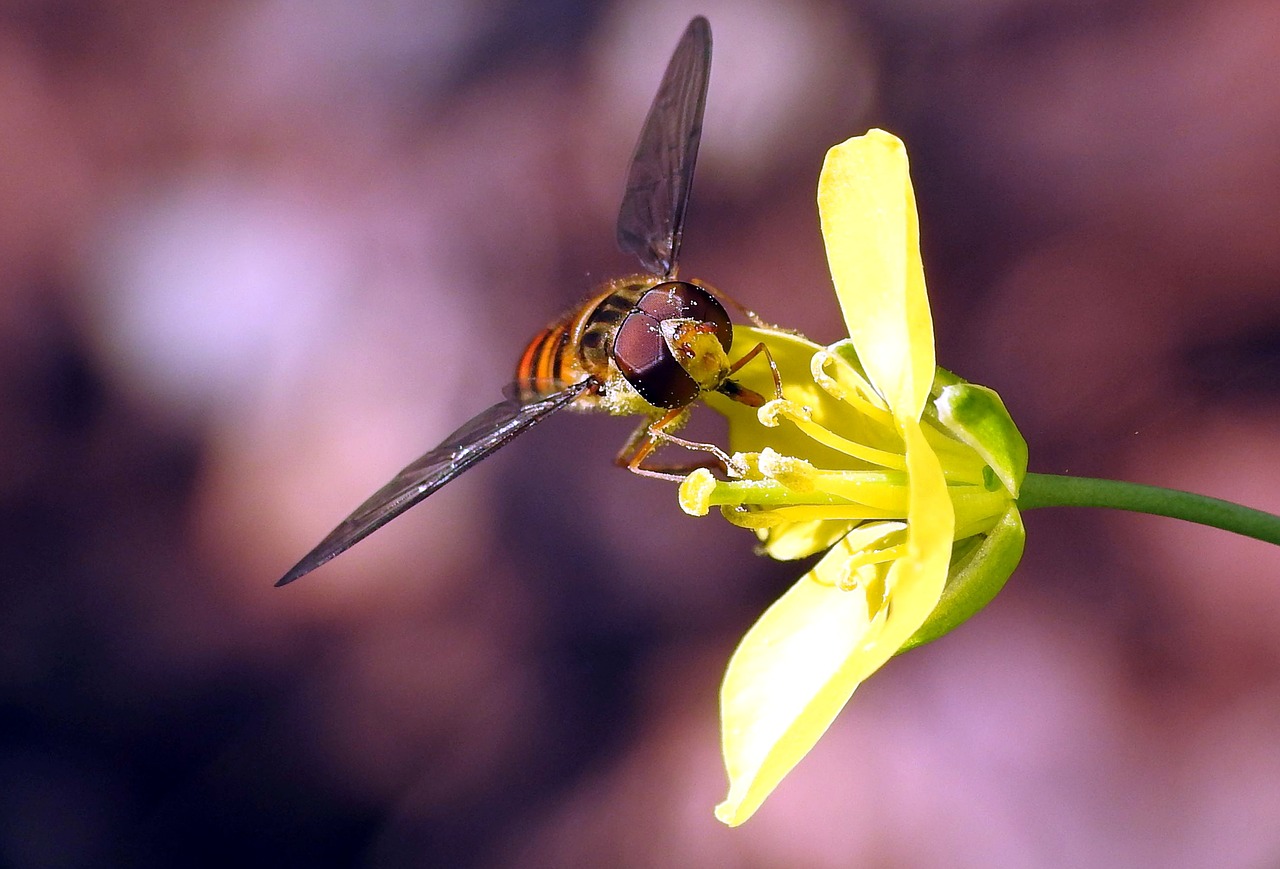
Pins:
x,y
578,345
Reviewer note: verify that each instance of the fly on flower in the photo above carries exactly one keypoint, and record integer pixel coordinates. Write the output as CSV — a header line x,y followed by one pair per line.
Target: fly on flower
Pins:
x,y
646,344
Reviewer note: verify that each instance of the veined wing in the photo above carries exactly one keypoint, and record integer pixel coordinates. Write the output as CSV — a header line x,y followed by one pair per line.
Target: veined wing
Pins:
x,y
477,439
652,216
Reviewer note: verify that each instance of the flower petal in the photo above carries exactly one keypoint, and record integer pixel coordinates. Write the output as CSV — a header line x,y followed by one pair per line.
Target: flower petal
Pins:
x,y
801,539
800,663
978,573
872,235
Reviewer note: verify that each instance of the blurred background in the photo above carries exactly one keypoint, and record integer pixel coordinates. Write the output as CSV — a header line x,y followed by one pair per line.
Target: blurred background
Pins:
x,y
256,255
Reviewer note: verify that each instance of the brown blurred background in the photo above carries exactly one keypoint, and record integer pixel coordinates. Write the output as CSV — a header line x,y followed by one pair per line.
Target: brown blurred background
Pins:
x,y
256,255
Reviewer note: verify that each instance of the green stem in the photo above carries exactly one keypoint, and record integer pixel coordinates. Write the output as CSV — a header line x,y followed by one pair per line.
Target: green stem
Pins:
x,y
1052,490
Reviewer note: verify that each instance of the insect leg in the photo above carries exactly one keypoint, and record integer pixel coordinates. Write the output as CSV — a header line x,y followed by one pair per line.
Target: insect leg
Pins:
x,y
736,391
773,366
650,435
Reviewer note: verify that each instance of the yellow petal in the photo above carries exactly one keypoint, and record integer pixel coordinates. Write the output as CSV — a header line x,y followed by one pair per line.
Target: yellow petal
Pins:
x,y
787,680
800,663
872,235
931,526
793,540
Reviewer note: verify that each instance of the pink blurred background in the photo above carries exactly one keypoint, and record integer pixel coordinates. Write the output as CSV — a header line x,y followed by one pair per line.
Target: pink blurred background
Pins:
x,y
257,255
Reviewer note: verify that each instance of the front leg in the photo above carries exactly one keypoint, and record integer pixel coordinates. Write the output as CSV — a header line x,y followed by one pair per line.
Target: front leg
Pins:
x,y
652,434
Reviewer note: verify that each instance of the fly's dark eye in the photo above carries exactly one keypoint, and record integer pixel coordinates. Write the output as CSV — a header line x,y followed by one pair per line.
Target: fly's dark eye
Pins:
x,y
641,353
678,299
646,362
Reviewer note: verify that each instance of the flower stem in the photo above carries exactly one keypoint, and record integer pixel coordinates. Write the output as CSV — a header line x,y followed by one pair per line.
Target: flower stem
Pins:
x,y
1052,490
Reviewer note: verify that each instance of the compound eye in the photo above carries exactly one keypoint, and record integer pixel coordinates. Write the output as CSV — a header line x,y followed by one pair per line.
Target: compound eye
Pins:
x,y
679,299
642,355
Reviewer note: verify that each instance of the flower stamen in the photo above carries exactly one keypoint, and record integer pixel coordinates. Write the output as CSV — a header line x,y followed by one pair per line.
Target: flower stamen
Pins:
x,y
858,393
802,418
865,548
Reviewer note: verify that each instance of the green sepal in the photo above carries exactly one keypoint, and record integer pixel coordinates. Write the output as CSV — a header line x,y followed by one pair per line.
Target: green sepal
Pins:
x,y
979,567
976,416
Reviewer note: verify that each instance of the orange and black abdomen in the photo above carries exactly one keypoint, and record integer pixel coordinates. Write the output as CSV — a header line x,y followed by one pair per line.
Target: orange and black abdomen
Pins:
x,y
578,344
542,369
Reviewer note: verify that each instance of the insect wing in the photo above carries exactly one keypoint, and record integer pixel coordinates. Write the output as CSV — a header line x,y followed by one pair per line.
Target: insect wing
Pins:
x,y
479,438
652,215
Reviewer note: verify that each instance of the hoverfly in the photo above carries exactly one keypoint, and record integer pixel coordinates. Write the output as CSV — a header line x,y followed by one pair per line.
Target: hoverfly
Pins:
x,y
645,344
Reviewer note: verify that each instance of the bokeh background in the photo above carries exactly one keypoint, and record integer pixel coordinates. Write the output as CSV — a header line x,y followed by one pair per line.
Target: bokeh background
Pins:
x,y
255,255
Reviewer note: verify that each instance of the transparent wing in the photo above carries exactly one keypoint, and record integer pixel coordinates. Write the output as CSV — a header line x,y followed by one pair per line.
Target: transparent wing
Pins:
x,y
479,438
652,215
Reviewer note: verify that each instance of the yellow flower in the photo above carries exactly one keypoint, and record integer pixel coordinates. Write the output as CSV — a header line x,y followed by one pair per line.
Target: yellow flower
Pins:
x,y
904,472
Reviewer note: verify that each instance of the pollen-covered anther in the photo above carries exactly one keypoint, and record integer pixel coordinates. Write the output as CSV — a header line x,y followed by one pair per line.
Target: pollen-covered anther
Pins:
x,y
856,576
796,474
865,552
817,369
744,466
696,491
848,385
773,412
744,516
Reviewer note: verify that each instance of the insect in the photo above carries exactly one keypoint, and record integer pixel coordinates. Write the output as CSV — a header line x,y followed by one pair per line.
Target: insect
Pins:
x,y
646,344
